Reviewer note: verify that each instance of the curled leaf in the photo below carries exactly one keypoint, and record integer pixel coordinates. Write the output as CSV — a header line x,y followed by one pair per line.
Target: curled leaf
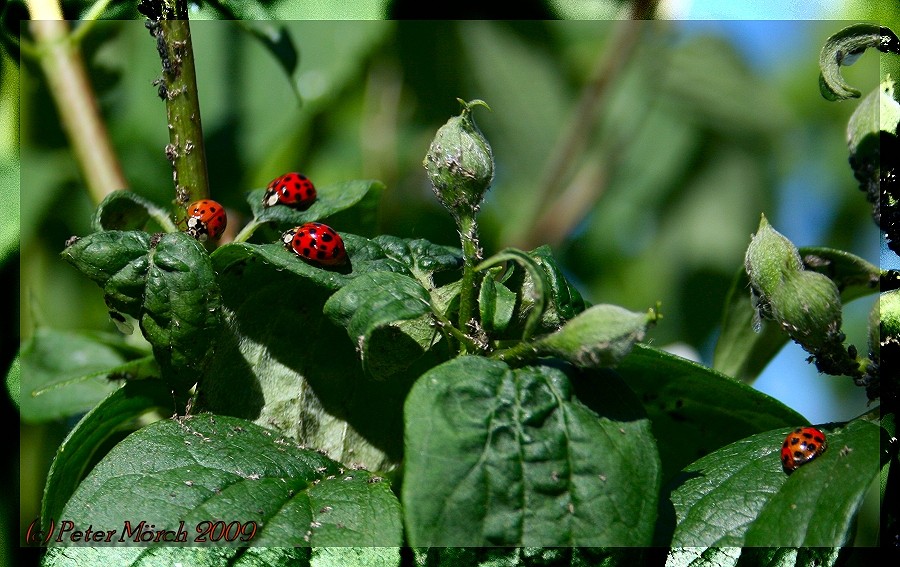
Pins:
x,y
844,48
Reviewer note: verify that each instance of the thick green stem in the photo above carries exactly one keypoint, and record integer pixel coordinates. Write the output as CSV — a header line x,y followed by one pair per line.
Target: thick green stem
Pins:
x,y
185,149
518,353
68,82
468,231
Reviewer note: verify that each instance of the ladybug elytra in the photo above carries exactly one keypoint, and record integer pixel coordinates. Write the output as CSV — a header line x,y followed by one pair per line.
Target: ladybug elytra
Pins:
x,y
801,446
316,242
206,219
291,189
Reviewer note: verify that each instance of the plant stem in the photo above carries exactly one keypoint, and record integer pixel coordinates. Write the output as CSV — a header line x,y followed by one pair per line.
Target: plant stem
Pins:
x,y
185,149
448,327
522,351
468,232
67,79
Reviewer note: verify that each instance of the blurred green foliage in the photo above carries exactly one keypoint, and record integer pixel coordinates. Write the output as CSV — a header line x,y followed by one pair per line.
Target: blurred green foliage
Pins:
x,y
687,144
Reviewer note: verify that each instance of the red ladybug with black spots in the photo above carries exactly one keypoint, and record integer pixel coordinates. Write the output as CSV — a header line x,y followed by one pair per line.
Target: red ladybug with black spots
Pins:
x,y
294,190
206,219
801,446
317,243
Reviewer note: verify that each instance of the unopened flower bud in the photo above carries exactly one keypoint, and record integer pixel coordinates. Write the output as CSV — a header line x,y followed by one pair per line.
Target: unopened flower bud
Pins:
x,y
460,163
770,258
808,307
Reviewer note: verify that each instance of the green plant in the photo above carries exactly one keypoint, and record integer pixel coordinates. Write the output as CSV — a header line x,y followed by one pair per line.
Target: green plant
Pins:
x,y
461,398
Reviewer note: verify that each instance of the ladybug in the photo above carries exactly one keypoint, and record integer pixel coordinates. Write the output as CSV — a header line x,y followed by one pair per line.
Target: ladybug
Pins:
x,y
801,446
317,243
206,219
291,189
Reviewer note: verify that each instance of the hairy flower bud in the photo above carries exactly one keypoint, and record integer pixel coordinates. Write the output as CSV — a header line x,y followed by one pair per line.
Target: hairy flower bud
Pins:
x,y
770,259
808,307
460,163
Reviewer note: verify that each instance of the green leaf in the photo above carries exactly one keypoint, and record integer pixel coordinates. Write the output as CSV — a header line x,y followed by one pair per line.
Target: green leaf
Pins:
x,y
181,312
14,382
417,258
844,48
734,556
355,556
167,283
878,112
741,351
528,556
739,495
695,410
597,338
566,299
496,303
854,276
420,257
10,213
78,448
77,362
101,255
376,303
125,210
534,291
501,456
255,19
206,468
545,298
330,200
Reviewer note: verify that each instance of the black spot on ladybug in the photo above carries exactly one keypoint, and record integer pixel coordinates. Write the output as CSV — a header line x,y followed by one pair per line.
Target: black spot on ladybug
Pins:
x,y
807,435
326,237
798,454
811,446
321,254
794,440
307,252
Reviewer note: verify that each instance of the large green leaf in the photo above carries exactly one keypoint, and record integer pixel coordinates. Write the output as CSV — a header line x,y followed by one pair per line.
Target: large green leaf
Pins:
x,y
695,410
529,557
502,456
205,468
739,495
767,556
